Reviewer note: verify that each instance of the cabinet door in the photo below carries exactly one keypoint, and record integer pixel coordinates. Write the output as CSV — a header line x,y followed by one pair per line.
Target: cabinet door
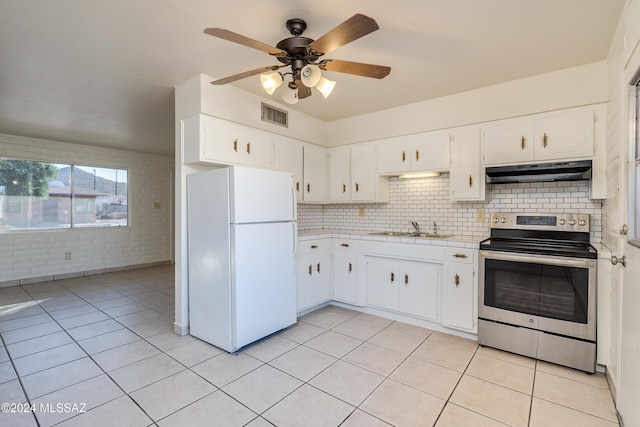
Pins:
x,y
345,283
507,143
394,155
287,157
467,180
430,152
257,148
322,278
418,295
315,161
383,279
304,281
565,136
364,175
339,174
458,288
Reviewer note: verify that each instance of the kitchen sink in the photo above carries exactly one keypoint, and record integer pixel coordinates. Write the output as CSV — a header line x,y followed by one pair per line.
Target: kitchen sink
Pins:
x,y
413,234
390,233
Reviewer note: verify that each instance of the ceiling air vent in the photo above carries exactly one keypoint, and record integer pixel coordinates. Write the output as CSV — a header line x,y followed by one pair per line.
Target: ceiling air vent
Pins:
x,y
274,115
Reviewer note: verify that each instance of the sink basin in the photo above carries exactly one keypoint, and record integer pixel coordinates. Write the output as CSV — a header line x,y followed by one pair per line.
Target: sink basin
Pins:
x,y
390,233
428,235
405,234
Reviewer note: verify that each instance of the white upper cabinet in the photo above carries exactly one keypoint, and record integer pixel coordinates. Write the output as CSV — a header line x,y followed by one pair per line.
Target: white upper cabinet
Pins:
x,y
353,175
315,174
340,174
211,140
427,151
467,178
288,157
545,138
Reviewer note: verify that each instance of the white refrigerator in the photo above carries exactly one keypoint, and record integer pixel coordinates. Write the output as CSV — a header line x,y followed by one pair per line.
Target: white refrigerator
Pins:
x,y
242,240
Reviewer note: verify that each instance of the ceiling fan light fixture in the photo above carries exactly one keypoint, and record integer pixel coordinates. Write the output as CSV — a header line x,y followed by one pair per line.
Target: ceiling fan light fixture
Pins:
x,y
310,75
325,86
290,95
271,82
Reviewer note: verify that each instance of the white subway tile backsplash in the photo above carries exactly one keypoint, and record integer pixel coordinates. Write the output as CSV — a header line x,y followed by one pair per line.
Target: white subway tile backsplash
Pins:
x,y
426,200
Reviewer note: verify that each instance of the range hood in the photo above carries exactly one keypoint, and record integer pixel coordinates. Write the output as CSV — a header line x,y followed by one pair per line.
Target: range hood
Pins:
x,y
541,172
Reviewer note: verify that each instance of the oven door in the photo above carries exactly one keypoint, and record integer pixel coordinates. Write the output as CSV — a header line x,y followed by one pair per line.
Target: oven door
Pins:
x,y
547,293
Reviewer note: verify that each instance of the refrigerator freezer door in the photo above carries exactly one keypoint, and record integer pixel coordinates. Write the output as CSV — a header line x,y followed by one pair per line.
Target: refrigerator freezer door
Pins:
x,y
261,195
264,285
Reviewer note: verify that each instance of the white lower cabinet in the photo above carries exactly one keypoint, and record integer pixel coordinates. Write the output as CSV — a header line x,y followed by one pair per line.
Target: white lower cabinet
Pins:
x,y
459,291
345,272
313,273
409,287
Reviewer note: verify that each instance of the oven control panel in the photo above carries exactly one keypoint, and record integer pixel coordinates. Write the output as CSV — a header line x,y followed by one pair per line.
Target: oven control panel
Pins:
x,y
546,221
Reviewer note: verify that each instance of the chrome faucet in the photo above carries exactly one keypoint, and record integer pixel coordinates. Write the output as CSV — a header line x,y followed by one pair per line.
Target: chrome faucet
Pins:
x,y
416,226
435,228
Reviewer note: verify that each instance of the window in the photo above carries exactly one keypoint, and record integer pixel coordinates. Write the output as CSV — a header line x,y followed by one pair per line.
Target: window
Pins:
x,y
38,195
634,171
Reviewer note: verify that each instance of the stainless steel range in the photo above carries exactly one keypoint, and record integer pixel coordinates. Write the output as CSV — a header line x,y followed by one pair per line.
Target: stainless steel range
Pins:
x,y
537,291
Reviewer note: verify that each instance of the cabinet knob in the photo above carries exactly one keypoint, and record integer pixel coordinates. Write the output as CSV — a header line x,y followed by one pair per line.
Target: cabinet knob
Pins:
x,y
544,140
318,268
344,188
417,155
298,186
457,280
350,268
310,270
406,279
393,277
235,145
470,181
357,187
308,188
248,148
522,142
404,156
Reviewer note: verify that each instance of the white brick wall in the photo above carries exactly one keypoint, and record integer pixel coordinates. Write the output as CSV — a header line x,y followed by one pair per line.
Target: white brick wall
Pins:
x,y
147,239
426,200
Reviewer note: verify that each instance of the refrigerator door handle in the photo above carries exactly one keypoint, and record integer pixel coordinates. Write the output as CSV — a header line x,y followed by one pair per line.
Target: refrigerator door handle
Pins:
x,y
294,202
295,238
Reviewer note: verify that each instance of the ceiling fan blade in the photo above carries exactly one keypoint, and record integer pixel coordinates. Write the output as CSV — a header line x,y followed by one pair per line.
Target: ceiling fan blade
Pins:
x,y
303,91
245,74
246,41
356,68
353,28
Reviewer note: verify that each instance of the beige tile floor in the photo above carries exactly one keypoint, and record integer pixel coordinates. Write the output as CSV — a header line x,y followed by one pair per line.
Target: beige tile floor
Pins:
x,y
102,348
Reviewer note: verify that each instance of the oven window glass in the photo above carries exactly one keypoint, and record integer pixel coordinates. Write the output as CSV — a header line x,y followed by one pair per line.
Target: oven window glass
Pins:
x,y
542,290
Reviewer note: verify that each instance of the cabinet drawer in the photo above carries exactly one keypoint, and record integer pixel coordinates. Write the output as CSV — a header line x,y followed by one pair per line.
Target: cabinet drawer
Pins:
x,y
311,246
463,255
345,245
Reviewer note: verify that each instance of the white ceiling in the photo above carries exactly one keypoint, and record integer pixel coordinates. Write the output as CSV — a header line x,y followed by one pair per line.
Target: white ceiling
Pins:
x,y
102,72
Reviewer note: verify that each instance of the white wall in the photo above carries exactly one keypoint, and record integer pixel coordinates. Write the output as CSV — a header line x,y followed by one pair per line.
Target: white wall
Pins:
x,y
572,87
39,254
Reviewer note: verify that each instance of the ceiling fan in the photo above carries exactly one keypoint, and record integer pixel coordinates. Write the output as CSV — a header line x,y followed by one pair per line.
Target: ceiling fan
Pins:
x,y
302,55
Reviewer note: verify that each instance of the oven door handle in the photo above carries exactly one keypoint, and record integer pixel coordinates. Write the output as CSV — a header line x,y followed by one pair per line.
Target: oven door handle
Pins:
x,y
549,260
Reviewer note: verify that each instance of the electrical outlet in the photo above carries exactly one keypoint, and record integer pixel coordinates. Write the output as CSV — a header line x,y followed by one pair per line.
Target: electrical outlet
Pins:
x,y
67,256
480,215
361,212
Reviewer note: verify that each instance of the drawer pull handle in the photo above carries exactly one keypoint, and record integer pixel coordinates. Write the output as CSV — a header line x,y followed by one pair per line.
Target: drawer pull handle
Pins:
x,y
314,246
346,245
457,280
459,255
